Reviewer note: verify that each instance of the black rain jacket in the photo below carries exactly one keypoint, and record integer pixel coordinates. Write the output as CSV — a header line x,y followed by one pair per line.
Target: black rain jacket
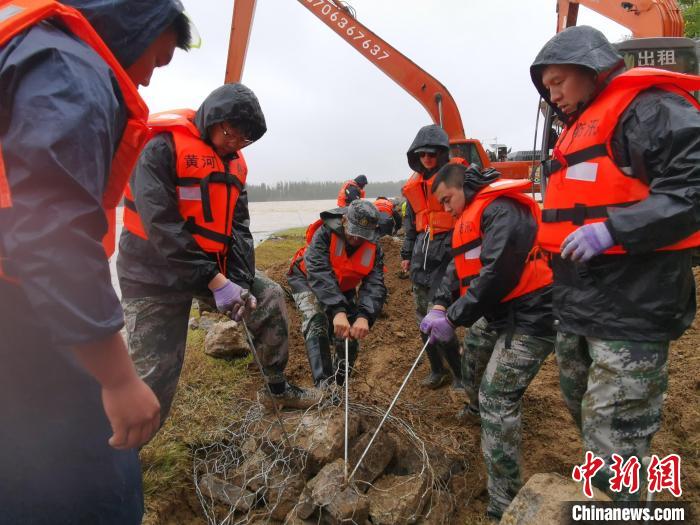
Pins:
x,y
429,258
171,260
508,232
645,295
321,280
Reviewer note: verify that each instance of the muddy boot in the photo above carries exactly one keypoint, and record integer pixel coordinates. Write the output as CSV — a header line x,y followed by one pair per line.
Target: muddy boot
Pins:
x,y
287,395
438,375
353,348
318,350
454,360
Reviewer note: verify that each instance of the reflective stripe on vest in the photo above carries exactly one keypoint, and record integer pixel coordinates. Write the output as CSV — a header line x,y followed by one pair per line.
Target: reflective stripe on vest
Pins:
x,y
429,213
18,16
207,190
584,181
466,240
384,206
342,198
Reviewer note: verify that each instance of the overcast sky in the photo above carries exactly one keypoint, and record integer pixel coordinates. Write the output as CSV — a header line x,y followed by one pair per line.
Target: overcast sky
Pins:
x,y
331,114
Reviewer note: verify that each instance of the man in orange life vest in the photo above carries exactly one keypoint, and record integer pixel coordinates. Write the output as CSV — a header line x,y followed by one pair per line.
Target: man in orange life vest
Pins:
x,y
351,190
387,216
620,220
498,273
341,255
71,125
186,234
426,247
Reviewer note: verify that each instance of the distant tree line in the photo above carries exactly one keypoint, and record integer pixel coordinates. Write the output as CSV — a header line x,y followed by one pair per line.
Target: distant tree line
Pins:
x,y
306,190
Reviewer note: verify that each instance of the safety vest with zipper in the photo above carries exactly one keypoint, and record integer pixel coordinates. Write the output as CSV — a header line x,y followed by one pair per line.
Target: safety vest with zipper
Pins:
x,y
207,188
467,240
429,213
583,179
342,198
19,16
349,270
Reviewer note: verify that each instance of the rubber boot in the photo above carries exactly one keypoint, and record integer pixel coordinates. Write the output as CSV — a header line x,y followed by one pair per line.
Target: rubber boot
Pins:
x,y
454,360
353,348
318,350
438,375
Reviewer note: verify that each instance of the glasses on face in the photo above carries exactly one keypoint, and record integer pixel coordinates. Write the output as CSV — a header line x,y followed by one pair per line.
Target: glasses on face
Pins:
x,y
427,154
232,135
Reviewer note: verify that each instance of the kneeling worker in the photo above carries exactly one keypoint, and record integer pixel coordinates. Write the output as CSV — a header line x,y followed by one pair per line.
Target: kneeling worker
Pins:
x,y
186,234
342,253
500,276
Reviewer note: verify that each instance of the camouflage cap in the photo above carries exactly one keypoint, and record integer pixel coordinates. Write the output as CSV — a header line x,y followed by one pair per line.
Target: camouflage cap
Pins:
x,y
363,219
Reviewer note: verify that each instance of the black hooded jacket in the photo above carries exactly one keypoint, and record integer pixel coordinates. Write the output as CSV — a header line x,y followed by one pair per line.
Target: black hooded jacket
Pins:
x,y
508,232
426,270
321,280
171,260
645,295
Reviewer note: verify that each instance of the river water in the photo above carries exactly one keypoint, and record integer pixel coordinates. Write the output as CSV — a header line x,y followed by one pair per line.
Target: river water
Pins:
x,y
265,219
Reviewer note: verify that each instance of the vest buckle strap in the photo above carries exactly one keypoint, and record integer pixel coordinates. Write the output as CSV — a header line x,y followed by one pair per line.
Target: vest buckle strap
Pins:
x,y
192,227
466,281
130,205
459,250
580,212
560,161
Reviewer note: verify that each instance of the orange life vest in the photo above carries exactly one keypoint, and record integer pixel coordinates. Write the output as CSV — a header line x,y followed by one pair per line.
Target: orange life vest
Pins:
x,y
349,270
429,213
584,180
19,16
384,206
207,190
342,198
466,240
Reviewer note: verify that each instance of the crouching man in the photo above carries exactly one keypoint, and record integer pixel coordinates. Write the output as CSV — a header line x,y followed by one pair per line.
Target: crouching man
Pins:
x,y
500,276
341,255
186,234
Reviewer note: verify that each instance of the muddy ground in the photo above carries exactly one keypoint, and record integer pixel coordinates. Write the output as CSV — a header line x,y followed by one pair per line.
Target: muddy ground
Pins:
x,y
550,440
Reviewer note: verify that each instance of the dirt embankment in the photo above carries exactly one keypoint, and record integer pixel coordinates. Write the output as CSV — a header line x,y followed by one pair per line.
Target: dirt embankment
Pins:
x,y
551,442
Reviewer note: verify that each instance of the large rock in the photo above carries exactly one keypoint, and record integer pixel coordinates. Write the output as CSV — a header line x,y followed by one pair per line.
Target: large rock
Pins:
x,y
282,494
238,498
439,509
542,500
375,461
338,503
398,500
226,339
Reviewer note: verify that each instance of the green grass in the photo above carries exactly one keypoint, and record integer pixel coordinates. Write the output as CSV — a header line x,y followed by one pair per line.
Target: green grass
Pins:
x,y
202,406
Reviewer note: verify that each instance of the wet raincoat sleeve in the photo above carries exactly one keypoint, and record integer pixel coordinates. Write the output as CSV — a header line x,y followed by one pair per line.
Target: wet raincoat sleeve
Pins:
x,y
155,194
241,259
448,290
66,121
660,133
508,233
409,228
320,274
372,290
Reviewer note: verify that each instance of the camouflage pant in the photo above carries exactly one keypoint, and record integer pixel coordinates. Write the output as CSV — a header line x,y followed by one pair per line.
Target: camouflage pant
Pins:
x,y
614,391
157,333
507,376
315,323
478,347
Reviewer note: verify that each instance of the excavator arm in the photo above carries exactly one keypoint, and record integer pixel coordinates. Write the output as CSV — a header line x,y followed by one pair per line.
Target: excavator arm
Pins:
x,y
645,18
427,90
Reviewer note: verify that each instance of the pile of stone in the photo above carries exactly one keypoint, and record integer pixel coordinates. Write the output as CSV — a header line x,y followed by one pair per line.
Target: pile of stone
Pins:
x,y
400,480
224,338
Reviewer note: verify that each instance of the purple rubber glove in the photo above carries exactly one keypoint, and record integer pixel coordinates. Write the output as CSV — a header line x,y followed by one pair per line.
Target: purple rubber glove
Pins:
x,y
587,242
437,326
233,300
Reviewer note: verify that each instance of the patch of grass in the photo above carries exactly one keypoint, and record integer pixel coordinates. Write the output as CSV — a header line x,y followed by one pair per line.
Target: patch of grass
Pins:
x,y
279,248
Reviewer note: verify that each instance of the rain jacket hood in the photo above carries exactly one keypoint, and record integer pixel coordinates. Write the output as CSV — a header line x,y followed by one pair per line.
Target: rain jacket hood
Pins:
x,y
128,27
429,136
581,46
232,102
334,220
475,180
